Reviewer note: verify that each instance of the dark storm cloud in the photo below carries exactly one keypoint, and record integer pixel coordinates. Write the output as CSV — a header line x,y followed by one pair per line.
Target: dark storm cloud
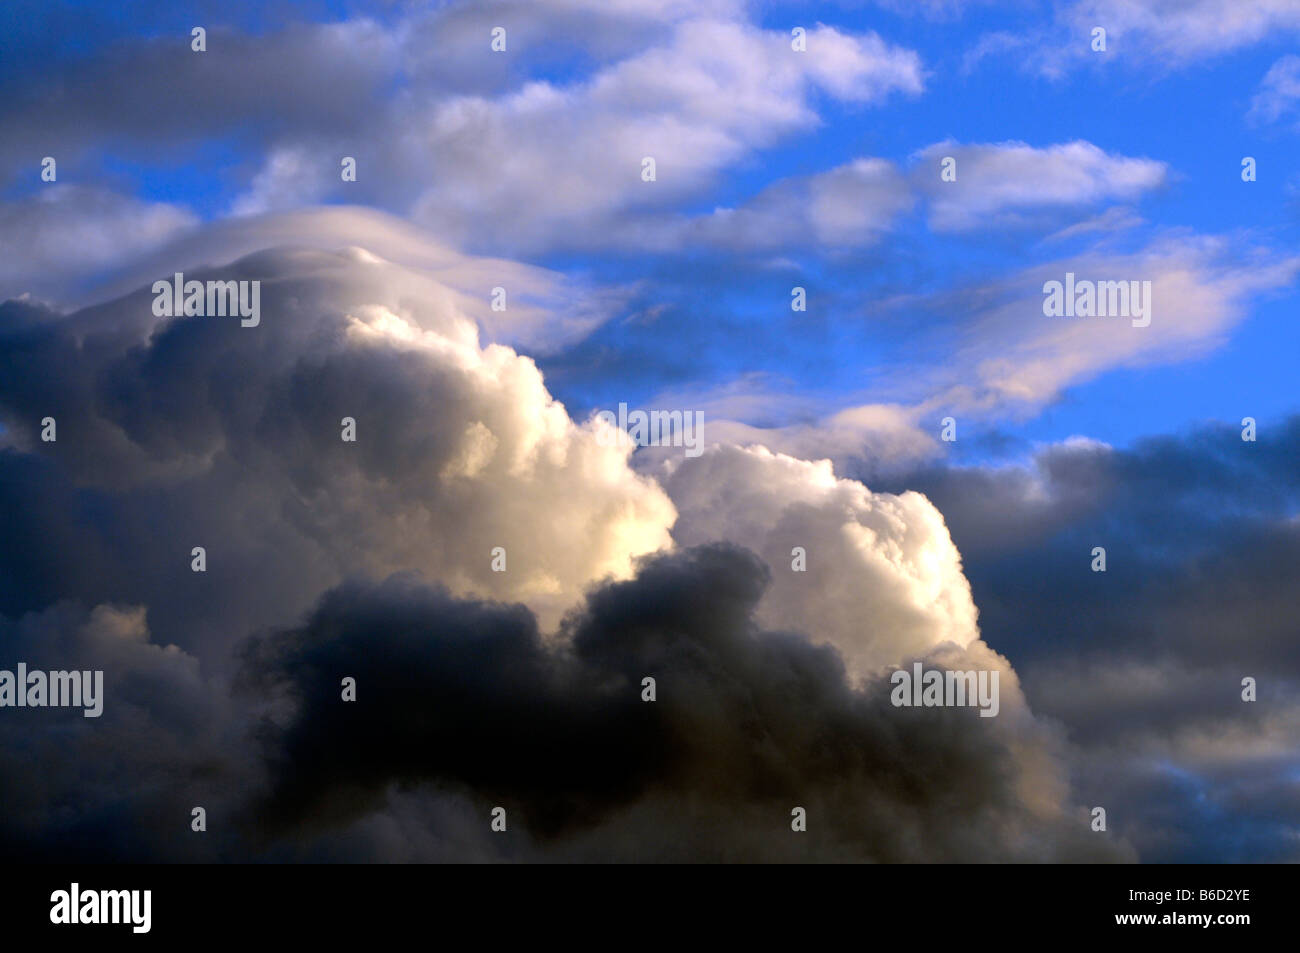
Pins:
x,y
175,433
121,786
181,432
462,706
1200,535
466,698
1143,664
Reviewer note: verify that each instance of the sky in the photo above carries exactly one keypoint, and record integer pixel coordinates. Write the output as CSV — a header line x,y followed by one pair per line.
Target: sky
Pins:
x,y
797,149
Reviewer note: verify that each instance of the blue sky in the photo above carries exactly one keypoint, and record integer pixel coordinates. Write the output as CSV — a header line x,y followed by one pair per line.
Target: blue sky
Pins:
x,y
723,320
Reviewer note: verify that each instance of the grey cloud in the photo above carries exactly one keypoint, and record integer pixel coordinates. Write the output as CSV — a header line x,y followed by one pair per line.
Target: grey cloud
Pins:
x,y
62,238
466,698
1142,665
175,433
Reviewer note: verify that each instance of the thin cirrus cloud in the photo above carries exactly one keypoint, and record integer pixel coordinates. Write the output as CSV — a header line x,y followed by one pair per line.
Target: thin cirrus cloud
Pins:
x,y
998,186
991,354
1147,35
851,206
1278,95
1200,287
73,234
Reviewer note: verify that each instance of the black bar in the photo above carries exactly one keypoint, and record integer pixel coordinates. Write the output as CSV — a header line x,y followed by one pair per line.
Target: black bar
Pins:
x,y
620,903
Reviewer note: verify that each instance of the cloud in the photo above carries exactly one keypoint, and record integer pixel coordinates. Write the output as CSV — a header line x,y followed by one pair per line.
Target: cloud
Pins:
x,y
713,95
1015,184
545,309
200,432
437,137
1146,34
883,581
846,207
1013,355
998,186
465,701
120,786
1164,30
1279,91
62,237
986,351
1114,219
195,431
155,98
1142,665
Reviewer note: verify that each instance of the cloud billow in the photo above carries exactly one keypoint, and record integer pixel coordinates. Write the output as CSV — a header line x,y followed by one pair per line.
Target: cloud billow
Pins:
x,y
466,698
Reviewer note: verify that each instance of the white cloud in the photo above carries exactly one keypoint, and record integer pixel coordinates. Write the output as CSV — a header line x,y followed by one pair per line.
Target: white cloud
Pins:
x,y
1279,91
846,207
1182,30
460,447
1013,183
62,235
548,164
998,185
545,309
1145,34
1014,355
291,177
1003,358
1117,218
884,581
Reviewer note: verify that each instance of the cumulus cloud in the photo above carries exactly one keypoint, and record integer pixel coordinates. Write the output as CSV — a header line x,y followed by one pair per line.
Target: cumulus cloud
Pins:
x,y
195,431
199,432
883,581
465,701
374,559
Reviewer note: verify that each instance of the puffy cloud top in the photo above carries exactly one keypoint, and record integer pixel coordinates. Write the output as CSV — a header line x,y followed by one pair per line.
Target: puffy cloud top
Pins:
x,y
883,580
